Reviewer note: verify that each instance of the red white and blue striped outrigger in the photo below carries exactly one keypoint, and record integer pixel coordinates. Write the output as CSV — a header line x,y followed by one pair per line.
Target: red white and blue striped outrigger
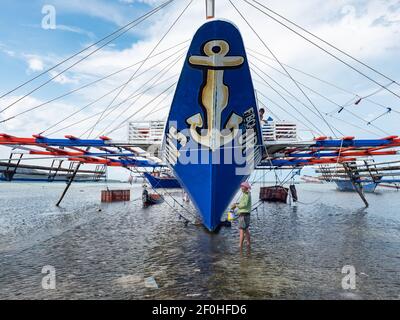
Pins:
x,y
207,184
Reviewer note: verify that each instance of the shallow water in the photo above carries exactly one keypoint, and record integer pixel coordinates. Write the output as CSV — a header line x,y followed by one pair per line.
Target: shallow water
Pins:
x,y
297,251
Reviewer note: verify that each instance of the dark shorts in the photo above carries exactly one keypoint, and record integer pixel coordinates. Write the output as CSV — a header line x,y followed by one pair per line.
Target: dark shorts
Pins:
x,y
244,221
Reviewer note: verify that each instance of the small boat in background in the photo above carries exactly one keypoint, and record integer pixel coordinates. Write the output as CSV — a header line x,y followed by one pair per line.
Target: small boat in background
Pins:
x,y
164,180
347,186
149,199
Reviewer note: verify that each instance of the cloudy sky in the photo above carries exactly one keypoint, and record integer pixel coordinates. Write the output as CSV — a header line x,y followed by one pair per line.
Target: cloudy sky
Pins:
x,y
367,29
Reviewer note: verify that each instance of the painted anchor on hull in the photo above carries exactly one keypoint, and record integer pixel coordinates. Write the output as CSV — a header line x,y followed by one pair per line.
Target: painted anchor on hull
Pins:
x,y
214,96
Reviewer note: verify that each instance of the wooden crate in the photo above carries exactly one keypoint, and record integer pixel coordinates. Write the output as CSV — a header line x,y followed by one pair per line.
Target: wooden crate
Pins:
x,y
115,195
274,194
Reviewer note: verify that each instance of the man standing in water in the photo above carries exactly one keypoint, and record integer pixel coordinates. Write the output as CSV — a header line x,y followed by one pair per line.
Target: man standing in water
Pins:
x,y
244,207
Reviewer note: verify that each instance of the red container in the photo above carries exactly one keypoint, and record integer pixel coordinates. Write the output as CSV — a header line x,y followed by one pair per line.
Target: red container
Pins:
x,y
115,195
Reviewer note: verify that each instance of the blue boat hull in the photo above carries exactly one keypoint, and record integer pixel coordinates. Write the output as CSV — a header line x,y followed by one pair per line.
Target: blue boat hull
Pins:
x,y
164,183
212,115
346,185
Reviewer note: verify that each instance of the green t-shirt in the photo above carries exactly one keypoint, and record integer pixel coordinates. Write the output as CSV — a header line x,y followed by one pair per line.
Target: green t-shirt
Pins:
x,y
244,205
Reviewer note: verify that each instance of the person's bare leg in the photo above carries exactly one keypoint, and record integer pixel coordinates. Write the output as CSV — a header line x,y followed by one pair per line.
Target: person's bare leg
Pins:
x,y
247,233
241,238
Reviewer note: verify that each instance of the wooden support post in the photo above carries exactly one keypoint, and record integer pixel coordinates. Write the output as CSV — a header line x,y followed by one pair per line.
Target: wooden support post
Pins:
x,y
356,184
9,175
70,181
69,184
53,174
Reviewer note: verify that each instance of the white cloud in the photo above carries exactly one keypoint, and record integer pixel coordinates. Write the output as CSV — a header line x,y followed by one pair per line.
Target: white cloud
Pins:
x,y
35,64
75,30
63,78
5,49
106,10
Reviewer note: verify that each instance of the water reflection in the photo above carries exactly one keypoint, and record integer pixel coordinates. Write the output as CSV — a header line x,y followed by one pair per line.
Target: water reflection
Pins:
x,y
297,251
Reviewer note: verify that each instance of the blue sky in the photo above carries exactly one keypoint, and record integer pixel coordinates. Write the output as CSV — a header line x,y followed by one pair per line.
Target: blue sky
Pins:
x,y
368,29
21,34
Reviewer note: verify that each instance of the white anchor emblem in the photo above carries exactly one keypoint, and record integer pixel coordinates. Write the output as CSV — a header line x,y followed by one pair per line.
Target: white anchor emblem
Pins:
x,y
214,96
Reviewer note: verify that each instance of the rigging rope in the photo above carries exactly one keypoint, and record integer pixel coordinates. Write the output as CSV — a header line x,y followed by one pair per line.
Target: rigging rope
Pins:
x,y
144,17
290,94
88,105
84,49
357,96
341,107
283,68
290,114
170,195
133,114
160,75
326,42
318,46
268,109
147,57
290,104
110,111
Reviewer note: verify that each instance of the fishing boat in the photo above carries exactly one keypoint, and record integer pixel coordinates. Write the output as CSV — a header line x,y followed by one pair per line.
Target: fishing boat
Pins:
x,y
212,135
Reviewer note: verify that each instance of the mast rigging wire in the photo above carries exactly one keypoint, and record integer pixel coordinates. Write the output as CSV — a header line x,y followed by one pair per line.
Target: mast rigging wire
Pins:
x,y
147,57
133,114
318,46
268,109
324,81
290,104
348,103
157,78
283,68
290,114
96,100
327,43
144,17
110,111
319,94
289,93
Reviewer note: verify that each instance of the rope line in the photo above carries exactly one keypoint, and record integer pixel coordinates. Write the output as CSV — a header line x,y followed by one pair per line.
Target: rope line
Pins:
x,y
144,17
327,43
290,94
147,57
157,78
284,69
290,104
318,46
